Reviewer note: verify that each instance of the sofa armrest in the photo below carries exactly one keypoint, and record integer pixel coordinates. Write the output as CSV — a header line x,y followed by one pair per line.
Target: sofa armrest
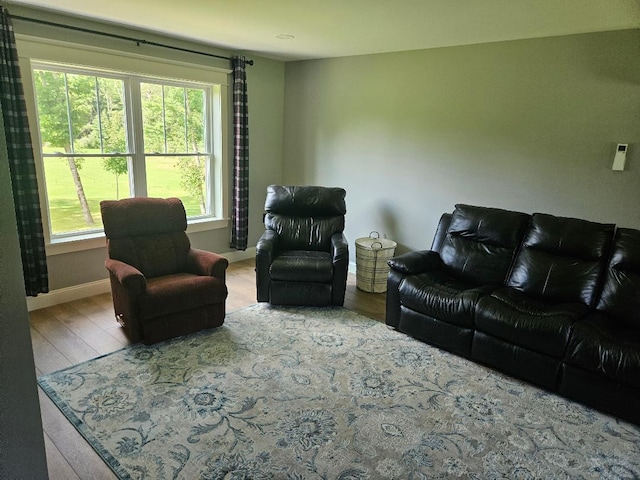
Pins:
x,y
339,248
266,249
131,279
340,257
268,243
202,262
412,263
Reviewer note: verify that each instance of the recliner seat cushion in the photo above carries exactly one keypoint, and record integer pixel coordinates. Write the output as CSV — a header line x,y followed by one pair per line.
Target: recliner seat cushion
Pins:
x,y
537,325
179,292
302,266
602,344
561,259
439,295
312,294
480,243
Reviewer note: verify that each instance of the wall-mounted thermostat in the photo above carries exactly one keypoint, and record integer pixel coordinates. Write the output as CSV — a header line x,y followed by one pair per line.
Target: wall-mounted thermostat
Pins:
x,y
620,157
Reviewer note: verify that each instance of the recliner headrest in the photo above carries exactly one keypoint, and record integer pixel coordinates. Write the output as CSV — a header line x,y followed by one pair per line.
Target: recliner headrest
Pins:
x,y
305,200
133,217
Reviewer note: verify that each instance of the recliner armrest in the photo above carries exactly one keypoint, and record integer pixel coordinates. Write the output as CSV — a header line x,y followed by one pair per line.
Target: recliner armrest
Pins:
x,y
339,248
131,279
267,244
340,258
266,249
412,263
202,262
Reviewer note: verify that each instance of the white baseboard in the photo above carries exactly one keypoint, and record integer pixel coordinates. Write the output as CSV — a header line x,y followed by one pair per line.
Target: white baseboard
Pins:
x,y
68,294
76,292
237,255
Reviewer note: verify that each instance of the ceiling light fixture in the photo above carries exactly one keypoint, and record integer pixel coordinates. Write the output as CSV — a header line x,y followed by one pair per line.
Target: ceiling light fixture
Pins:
x,y
285,36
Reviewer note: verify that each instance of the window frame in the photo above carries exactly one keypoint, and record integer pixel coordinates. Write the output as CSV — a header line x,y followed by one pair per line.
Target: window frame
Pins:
x,y
34,52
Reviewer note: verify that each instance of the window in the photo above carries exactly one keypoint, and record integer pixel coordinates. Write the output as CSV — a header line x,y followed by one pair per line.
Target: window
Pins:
x,y
108,136
111,125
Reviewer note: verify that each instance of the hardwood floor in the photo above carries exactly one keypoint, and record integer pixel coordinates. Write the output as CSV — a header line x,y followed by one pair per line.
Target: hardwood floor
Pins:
x,y
70,333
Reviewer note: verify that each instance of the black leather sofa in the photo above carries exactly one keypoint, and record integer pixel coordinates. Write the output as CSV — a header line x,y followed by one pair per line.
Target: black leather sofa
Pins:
x,y
552,300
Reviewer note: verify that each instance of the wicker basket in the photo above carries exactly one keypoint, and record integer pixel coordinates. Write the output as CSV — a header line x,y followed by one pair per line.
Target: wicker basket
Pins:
x,y
372,253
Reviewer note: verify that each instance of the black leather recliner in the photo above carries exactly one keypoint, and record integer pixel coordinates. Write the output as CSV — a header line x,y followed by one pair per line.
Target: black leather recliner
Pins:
x,y
302,258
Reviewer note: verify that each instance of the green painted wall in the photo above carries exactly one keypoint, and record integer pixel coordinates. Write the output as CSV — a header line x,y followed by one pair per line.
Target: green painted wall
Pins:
x,y
22,453
529,125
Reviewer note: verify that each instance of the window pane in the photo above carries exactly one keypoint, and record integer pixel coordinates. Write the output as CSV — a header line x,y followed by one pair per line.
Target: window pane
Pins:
x,y
75,187
174,110
182,177
173,118
152,117
112,115
195,120
51,98
80,113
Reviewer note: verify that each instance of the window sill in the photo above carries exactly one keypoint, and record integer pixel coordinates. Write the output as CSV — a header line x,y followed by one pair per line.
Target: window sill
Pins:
x,y
94,240
203,224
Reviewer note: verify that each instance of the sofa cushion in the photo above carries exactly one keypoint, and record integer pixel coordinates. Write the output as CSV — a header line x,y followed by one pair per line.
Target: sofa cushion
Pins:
x,y
561,259
179,292
439,295
601,344
480,243
302,266
538,325
620,297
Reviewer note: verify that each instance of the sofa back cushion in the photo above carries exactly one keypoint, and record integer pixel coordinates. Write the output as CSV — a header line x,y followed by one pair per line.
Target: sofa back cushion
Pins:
x,y
305,217
562,259
620,296
441,232
480,243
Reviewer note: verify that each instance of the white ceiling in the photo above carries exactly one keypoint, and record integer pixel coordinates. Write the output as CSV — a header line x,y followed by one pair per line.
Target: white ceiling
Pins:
x,y
333,28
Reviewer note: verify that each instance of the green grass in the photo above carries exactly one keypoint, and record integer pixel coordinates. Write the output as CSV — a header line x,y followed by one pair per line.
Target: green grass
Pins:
x,y
163,180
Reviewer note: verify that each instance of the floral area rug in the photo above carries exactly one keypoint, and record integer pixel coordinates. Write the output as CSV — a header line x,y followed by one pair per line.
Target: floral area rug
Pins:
x,y
304,393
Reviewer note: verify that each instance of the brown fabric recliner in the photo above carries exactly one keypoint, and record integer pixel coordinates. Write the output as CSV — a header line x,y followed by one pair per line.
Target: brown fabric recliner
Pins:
x,y
161,287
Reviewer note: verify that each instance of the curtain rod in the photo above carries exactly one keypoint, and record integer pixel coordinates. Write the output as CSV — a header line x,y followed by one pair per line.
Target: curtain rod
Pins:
x,y
121,37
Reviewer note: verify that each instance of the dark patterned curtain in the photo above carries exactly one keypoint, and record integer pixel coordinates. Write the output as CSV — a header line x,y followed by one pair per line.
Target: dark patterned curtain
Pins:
x,y
240,214
21,163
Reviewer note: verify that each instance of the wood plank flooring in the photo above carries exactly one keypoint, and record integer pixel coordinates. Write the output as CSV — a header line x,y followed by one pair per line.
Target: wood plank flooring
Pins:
x,y
77,331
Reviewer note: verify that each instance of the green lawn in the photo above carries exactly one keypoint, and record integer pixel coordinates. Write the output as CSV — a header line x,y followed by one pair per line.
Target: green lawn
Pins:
x,y
163,180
